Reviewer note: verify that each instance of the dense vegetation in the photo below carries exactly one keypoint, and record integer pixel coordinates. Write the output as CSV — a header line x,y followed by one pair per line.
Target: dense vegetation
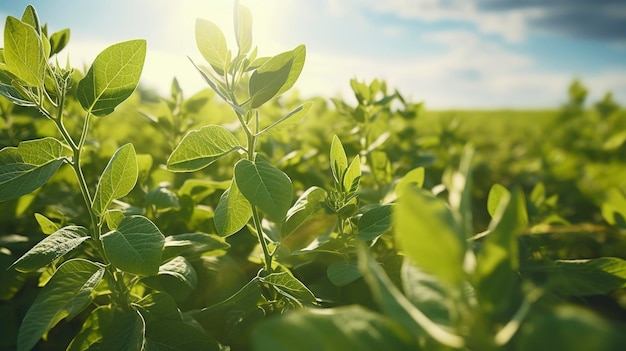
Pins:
x,y
241,217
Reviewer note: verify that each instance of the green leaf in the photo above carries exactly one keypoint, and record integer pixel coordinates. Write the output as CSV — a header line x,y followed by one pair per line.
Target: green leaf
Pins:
x,y
162,198
113,218
177,335
497,262
338,160
307,219
332,329
568,327
50,248
158,306
28,166
414,178
264,186
67,293
276,76
117,180
614,208
200,148
496,193
110,329
112,77
285,282
375,222
177,277
212,45
135,246
47,226
243,28
426,293
459,189
598,276
397,307
193,245
59,40
352,177
429,234
233,211
14,95
24,52
342,273
31,18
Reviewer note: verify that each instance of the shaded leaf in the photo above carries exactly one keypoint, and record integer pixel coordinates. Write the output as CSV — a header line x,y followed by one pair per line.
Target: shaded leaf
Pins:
x,y
286,282
414,177
50,248
275,76
343,273
110,329
192,244
375,222
233,211
171,335
200,148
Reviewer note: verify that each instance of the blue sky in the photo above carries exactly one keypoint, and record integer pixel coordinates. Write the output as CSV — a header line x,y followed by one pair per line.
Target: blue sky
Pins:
x,y
447,53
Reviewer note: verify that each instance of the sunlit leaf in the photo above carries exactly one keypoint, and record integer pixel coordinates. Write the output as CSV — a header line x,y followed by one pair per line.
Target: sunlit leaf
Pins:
x,y
212,45
276,76
24,52
118,179
200,148
233,211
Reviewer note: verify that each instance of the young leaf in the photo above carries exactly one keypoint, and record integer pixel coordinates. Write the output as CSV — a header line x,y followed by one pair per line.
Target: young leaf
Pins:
x,y
31,18
396,306
285,282
118,179
112,77
333,329
233,211
67,293
430,235
135,246
375,222
52,247
276,76
200,148
243,28
264,186
352,176
24,52
59,40
110,329
496,193
338,160
47,226
212,45
307,219
28,166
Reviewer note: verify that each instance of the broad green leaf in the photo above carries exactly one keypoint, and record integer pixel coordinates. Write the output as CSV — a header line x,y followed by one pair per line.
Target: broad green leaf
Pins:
x,y
598,276
172,335
14,95
287,283
110,329
212,45
47,226
112,77
352,176
264,186
162,198
28,166
496,193
113,218
397,307
67,293
177,277
118,179
52,247
193,244
158,306
24,52
496,280
59,40
375,222
333,329
307,219
243,28
429,234
276,76
233,211
568,327
414,178
200,148
426,293
343,273
135,246
338,160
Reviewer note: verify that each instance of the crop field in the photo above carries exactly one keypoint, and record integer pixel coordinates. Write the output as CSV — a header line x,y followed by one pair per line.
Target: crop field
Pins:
x,y
243,217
